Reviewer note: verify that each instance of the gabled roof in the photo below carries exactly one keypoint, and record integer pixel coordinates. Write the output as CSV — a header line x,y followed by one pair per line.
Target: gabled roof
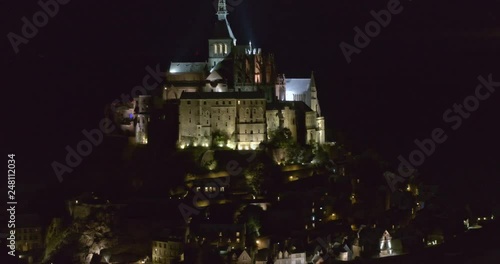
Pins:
x,y
313,81
244,256
214,76
225,70
188,67
296,105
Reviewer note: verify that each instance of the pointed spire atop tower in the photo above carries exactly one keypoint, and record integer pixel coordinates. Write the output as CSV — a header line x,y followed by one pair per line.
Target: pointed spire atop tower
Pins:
x,y
222,10
222,17
314,95
313,81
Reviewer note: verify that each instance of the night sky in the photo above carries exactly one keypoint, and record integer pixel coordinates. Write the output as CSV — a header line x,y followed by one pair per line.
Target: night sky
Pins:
x,y
395,91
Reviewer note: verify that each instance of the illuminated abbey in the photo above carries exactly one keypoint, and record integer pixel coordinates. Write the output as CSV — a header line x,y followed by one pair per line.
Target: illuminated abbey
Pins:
x,y
236,94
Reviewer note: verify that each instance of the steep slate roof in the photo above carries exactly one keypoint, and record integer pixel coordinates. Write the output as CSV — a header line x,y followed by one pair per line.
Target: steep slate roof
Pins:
x,y
187,67
214,76
224,95
296,105
225,69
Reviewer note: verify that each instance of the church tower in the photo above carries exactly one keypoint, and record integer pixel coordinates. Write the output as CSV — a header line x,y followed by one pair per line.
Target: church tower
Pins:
x,y
320,120
314,96
280,88
142,111
222,41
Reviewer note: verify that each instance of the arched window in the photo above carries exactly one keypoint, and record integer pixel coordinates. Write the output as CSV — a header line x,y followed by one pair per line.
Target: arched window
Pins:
x,y
215,48
220,48
225,48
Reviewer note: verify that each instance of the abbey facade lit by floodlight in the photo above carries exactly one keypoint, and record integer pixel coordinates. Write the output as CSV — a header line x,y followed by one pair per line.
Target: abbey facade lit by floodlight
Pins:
x,y
236,95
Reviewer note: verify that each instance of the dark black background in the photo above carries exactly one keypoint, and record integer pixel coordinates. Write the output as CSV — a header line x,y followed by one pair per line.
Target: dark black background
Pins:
x,y
395,91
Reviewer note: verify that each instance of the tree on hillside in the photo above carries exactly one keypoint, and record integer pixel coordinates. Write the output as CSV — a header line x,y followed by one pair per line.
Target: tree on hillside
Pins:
x,y
321,157
281,138
219,138
298,154
261,175
254,177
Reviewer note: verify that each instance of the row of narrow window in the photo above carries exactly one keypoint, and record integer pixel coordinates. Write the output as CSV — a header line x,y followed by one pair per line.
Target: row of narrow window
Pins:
x,y
229,102
252,102
227,111
229,118
220,48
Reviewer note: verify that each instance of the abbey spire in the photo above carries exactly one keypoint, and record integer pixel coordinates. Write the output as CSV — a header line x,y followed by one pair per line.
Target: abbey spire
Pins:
x,y
314,96
222,10
221,44
222,17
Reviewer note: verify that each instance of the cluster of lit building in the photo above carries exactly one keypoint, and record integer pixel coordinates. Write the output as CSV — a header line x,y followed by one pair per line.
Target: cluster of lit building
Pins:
x,y
236,95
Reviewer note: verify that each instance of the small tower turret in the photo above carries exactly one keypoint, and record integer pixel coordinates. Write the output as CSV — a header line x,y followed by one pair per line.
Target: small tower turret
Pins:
x,y
142,109
280,87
